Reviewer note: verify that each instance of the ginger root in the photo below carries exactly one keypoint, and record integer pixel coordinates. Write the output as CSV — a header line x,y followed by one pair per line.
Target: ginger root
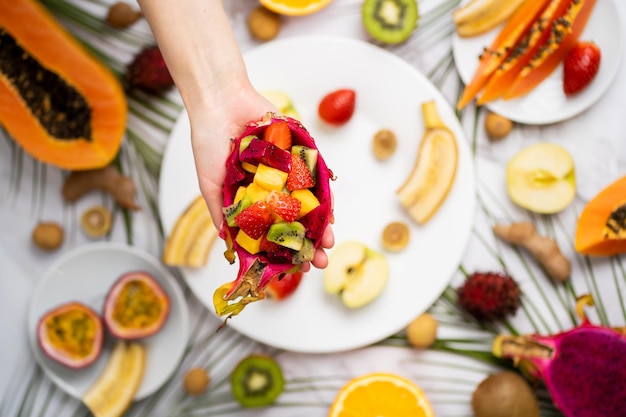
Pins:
x,y
544,249
107,179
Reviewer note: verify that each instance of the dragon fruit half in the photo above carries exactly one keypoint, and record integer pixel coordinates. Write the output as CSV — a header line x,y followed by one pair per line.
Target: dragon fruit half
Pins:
x,y
584,368
277,204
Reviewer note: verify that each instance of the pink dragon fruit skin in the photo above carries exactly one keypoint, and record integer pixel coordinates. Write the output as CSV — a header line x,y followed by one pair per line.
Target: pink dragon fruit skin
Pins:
x,y
256,271
584,368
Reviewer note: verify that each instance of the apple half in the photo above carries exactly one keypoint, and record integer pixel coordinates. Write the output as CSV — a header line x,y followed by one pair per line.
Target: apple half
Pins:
x,y
357,273
541,178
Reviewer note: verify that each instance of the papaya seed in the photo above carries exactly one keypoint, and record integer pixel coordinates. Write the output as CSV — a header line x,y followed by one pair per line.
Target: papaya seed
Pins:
x,y
422,332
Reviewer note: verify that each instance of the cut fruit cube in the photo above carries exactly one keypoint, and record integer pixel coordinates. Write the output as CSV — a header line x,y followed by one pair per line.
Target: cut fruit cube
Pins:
x,y
270,178
256,192
307,199
241,191
290,235
279,134
261,151
251,245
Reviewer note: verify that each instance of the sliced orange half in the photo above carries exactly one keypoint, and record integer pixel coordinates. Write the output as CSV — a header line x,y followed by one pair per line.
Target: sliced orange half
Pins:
x,y
381,395
295,7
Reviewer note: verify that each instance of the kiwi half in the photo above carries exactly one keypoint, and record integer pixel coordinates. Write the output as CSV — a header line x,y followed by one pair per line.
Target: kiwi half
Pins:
x,y
257,381
390,21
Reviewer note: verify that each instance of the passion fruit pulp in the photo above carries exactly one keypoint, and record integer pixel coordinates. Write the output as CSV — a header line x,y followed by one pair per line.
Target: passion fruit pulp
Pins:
x,y
71,334
136,306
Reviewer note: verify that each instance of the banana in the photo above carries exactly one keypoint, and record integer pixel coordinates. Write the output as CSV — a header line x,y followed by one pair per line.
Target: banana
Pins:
x,y
191,238
115,388
480,16
434,171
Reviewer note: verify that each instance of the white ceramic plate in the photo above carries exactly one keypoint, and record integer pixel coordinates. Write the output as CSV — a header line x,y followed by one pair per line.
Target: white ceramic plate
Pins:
x,y
389,95
85,274
547,103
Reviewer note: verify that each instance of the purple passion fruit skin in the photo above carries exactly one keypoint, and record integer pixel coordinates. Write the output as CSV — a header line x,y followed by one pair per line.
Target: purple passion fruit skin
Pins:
x,y
71,334
256,270
136,306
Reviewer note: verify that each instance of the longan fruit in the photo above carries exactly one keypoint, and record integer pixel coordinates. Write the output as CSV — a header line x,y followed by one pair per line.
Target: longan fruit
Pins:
x,y
497,127
196,381
422,332
263,24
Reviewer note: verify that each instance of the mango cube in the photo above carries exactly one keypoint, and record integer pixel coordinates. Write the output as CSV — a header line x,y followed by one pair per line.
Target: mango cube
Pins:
x,y
307,199
251,245
270,178
256,192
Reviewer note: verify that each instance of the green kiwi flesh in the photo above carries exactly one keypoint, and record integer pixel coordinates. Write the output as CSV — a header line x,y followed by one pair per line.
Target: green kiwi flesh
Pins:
x,y
234,209
245,142
257,381
290,235
305,254
390,21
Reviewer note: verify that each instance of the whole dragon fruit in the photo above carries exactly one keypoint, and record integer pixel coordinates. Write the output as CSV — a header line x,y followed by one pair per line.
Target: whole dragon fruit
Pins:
x,y
584,368
277,204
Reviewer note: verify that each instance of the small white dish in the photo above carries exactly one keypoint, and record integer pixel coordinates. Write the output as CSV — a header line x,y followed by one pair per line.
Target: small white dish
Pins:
x,y
85,274
547,103
389,94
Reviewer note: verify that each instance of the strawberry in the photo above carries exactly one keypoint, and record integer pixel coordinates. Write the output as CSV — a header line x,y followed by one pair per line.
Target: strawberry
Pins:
x,y
337,107
279,134
580,66
255,220
275,252
281,287
299,177
284,205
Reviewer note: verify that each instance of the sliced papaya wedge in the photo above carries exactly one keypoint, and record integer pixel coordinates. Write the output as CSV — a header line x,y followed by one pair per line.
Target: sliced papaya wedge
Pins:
x,y
562,38
524,50
517,25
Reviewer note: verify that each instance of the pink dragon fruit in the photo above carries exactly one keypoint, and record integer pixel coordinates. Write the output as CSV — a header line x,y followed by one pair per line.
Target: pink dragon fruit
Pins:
x,y
275,211
584,368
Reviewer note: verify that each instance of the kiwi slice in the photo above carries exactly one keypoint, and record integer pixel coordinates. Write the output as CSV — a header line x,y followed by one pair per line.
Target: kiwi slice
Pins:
x,y
390,21
245,142
305,254
289,235
308,155
234,209
257,381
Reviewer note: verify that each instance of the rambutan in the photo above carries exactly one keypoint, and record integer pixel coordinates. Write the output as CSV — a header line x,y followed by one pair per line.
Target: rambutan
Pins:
x,y
489,296
148,72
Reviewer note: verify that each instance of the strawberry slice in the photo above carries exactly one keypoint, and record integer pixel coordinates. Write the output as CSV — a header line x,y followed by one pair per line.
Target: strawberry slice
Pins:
x,y
282,287
279,134
299,177
580,67
284,205
255,220
337,107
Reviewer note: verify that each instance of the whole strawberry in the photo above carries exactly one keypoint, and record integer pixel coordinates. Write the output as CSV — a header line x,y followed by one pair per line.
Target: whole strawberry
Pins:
x,y
489,296
148,72
580,66
337,107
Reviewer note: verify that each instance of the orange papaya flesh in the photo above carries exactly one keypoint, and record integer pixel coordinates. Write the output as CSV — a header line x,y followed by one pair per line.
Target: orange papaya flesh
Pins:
x,y
523,51
563,37
515,27
59,103
601,227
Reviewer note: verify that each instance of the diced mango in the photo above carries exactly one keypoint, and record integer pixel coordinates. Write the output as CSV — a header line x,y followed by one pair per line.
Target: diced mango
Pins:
x,y
251,245
270,178
248,167
307,199
241,191
256,192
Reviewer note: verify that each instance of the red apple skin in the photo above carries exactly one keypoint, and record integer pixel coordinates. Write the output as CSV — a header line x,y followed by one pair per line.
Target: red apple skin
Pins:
x,y
279,289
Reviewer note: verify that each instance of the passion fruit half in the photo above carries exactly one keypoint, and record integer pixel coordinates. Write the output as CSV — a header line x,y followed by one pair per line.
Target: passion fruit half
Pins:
x,y
136,306
71,334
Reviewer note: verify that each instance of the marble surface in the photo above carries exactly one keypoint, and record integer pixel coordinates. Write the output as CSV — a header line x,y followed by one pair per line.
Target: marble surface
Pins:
x,y
595,138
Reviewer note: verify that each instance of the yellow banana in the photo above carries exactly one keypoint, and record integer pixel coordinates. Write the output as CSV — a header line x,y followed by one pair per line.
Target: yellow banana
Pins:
x,y
480,16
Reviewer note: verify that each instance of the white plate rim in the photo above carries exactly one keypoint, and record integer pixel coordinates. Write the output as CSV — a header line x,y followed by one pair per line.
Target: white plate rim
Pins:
x,y
182,127
177,302
466,49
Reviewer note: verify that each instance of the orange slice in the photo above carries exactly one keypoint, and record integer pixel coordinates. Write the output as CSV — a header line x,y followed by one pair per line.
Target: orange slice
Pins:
x,y
381,395
295,7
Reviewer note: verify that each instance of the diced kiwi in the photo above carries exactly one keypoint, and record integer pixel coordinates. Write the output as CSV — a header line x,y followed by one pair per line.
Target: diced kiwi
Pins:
x,y
305,254
234,209
308,155
257,381
390,21
289,235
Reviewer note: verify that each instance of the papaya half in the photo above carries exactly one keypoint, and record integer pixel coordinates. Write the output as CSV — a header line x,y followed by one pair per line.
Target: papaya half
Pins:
x,y
57,101
601,227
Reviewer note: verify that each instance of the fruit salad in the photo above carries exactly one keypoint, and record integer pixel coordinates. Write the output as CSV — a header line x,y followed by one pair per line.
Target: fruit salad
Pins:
x,y
277,204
